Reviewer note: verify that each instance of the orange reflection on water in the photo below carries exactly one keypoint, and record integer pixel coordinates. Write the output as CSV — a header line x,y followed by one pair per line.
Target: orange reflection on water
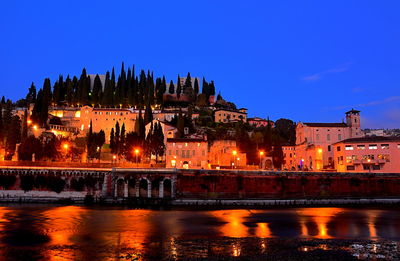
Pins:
x,y
320,216
63,223
263,230
372,217
3,212
234,222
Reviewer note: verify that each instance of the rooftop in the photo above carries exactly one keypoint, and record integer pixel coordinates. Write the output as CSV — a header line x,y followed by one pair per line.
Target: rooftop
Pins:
x,y
325,125
371,139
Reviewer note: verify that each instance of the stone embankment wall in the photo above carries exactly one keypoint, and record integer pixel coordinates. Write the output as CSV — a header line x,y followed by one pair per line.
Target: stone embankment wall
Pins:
x,y
185,186
284,185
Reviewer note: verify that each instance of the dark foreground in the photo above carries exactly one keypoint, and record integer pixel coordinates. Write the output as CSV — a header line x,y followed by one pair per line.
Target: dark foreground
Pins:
x,y
48,232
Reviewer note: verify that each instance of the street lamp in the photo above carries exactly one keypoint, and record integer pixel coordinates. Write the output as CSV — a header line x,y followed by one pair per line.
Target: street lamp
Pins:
x,y
261,153
136,156
234,153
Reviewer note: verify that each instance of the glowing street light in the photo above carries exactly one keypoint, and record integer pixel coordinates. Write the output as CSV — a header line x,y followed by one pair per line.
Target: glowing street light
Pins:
x,y
261,153
29,122
234,153
35,127
136,151
65,146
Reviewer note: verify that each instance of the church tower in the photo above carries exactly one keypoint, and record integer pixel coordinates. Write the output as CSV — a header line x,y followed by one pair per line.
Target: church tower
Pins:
x,y
353,121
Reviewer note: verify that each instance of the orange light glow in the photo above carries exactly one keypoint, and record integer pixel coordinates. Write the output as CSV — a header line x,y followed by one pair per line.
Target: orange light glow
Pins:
x,y
114,157
29,122
261,153
137,151
65,146
35,127
319,150
234,153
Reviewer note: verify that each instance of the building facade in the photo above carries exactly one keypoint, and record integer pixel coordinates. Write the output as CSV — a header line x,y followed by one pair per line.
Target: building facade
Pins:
x,y
187,153
368,154
314,141
227,115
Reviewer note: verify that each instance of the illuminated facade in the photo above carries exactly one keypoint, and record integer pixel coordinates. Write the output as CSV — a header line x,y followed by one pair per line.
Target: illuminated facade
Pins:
x,y
368,154
187,153
225,115
314,141
224,153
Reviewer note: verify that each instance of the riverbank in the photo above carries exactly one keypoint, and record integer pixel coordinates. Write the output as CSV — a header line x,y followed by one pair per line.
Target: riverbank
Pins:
x,y
203,203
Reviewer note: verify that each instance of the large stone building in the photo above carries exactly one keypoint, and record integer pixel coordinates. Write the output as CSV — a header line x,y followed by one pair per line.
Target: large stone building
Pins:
x,y
314,149
187,153
368,154
230,115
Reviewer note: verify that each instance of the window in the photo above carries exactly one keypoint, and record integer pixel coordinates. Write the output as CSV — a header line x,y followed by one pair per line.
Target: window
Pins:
x,y
349,147
317,136
339,136
194,153
361,147
338,148
350,168
398,146
328,137
385,146
373,146
329,147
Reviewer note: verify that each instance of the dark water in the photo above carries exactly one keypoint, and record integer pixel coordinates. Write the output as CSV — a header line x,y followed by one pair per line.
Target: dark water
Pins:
x,y
83,233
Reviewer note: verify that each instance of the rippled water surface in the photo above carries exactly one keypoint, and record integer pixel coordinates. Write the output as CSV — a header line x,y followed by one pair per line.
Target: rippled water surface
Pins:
x,y
47,232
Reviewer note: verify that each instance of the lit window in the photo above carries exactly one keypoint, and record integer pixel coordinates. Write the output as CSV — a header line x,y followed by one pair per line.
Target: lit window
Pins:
x,y
385,146
338,148
186,144
349,147
361,147
373,146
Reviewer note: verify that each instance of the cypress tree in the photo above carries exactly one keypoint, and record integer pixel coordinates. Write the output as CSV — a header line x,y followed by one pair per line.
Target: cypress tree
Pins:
x,y
69,95
108,92
212,88
141,89
89,138
196,86
205,88
148,114
83,88
178,88
117,137
31,96
188,82
171,88
97,87
122,139
112,141
24,131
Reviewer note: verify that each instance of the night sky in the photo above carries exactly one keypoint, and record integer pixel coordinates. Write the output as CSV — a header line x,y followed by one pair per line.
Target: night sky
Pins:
x,y
302,60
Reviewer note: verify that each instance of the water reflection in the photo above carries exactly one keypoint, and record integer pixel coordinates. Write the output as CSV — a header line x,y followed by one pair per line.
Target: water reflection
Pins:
x,y
80,233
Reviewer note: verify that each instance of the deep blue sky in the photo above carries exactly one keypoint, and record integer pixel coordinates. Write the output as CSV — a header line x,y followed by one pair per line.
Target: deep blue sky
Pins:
x,y
303,60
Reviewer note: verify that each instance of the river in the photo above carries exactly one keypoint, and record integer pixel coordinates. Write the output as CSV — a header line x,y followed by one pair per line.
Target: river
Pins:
x,y
51,232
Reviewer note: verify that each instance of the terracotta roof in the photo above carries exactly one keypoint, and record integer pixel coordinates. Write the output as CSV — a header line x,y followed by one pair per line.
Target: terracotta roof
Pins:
x,y
371,139
186,140
325,125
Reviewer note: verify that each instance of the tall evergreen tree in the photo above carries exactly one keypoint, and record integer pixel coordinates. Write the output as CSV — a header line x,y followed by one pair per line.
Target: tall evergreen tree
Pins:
x,y
196,86
112,141
97,88
171,89
188,82
31,96
117,137
148,114
178,88
24,131
122,139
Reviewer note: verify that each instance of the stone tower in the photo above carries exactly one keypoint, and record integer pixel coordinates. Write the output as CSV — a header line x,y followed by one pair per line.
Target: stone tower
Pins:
x,y
353,121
